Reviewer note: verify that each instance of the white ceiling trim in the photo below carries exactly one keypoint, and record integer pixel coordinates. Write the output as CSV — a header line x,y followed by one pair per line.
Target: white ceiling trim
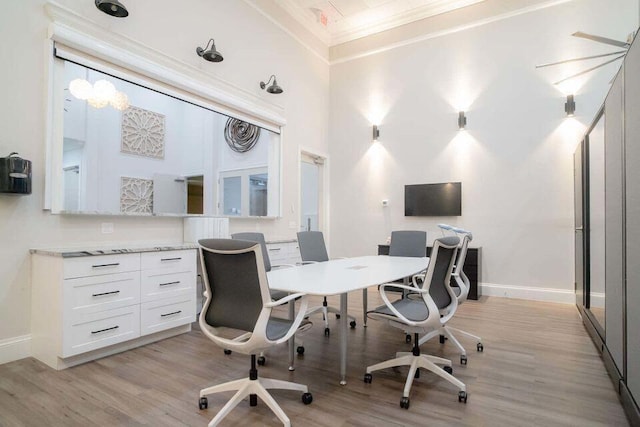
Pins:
x,y
416,14
291,33
433,9
305,20
457,29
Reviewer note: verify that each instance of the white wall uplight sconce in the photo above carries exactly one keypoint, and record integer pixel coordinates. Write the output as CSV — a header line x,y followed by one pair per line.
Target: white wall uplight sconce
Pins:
x,y
570,106
462,120
376,132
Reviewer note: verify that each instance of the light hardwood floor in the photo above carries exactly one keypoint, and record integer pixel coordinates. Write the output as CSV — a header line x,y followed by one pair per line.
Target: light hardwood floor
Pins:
x,y
539,368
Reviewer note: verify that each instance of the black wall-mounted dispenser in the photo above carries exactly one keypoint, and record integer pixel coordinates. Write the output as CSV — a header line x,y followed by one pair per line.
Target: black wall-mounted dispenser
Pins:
x,y
15,175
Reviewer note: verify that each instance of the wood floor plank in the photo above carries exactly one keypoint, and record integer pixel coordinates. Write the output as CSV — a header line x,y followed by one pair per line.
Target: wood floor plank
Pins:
x,y
539,368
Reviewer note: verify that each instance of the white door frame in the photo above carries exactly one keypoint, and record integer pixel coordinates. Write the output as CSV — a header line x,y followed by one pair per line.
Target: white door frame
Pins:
x,y
323,210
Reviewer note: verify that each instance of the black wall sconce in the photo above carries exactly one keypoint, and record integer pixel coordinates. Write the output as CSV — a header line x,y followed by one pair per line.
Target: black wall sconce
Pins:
x,y
570,106
274,88
462,120
209,54
376,132
113,8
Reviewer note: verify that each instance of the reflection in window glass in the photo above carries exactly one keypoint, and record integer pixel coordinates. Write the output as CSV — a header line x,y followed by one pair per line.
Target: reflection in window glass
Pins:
x,y
258,194
128,149
232,196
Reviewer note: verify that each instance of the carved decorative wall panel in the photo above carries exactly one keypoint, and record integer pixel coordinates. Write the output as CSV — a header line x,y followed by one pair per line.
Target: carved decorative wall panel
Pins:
x,y
143,133
136,195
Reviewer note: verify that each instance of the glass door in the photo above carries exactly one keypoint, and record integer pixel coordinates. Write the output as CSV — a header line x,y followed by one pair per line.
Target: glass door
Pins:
x,y
311,170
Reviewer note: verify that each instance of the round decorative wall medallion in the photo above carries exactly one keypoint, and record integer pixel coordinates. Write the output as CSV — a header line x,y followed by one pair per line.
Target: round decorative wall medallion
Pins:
x,y
241,136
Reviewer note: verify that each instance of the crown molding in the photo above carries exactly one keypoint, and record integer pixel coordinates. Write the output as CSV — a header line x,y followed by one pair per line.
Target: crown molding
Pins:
x,y
306,20
86,36
322,36
452,30
403,18
343,36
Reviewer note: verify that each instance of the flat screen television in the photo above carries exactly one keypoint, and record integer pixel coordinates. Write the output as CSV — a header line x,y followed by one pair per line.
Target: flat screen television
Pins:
x,y
443,199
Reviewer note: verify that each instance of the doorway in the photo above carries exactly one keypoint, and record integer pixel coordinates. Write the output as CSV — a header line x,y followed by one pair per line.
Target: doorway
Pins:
x,y
311,192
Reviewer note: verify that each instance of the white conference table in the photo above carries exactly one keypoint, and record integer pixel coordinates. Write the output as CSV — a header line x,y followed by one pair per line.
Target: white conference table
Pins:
x,y
340,276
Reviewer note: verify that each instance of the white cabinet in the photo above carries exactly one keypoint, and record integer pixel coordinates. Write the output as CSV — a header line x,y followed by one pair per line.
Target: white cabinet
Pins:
x,y
87,307
284,252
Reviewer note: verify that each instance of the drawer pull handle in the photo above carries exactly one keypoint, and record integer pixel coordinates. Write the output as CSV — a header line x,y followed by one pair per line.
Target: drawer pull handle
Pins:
x,y
169,283
170,259
275,249
171,314
105,330
113,264
106,293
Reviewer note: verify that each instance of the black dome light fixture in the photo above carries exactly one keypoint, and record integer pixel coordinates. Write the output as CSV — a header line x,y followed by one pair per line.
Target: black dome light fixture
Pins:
x,y
210,54
274,88
113,8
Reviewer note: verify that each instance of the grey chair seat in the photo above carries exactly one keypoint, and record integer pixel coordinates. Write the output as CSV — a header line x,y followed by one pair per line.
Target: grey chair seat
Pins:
x,y
278,327
414,310
456,290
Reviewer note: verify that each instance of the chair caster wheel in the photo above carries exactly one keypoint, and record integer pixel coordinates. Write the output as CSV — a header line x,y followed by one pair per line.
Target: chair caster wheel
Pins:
x,y
407,339
448,370
417,374
337,316
262,360
368,378
253,400
404,403
327,331
463,360
480,347
227,352
203,403
442,338
462,397
300,350
353,324
307,398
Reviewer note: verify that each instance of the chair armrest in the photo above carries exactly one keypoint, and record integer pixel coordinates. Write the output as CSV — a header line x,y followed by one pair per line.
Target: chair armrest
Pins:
x,y
282,265
395,312
304,304
408,288
284,300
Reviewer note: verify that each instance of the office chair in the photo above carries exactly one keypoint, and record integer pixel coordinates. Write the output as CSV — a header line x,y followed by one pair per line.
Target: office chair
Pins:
x,y
422,315
238,300
275,294
313,250
461,291
407,243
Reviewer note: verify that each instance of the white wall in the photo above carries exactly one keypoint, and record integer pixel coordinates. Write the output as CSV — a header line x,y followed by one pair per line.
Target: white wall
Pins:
x,y
514,159
253,47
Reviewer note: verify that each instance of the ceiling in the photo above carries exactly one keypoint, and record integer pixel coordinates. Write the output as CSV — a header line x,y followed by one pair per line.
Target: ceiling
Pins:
x,y
339,21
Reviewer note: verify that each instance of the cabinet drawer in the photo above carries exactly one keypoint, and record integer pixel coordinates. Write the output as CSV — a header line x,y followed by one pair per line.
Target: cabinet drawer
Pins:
x,y
176,261
164,314
94,294
97,330
278,251
99,265
158,284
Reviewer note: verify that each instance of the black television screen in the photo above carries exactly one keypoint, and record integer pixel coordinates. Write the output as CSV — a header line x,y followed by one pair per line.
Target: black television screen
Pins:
x,y
433,199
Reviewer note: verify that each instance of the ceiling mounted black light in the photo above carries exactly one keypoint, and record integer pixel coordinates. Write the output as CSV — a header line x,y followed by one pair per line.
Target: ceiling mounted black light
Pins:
x,y
113,8
274,88
210,54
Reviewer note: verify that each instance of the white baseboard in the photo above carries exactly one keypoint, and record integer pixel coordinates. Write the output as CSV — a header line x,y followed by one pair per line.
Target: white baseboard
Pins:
x,y
15,348
562,296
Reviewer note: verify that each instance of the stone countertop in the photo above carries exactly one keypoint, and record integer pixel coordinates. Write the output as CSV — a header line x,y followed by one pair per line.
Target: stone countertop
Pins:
x,y
74,252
